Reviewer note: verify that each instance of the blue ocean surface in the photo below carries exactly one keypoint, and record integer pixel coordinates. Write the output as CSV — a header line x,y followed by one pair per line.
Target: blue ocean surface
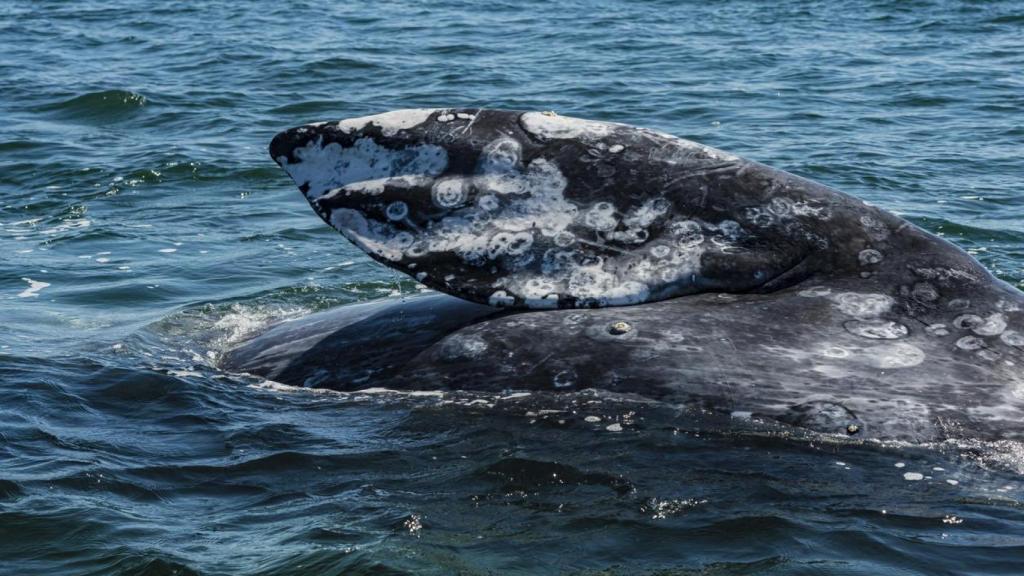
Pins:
x,y
144,231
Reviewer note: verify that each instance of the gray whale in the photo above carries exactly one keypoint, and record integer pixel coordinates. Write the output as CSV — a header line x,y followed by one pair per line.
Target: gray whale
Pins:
x,y
573,254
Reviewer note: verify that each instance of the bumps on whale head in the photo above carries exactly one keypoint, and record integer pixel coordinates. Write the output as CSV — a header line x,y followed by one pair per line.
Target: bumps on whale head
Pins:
x,y
537,210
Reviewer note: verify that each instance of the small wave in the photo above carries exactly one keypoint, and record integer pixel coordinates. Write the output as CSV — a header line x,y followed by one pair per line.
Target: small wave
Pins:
x,y
337,64
23,144
963,233
9,490
528,475
106,105
1008,19
921,100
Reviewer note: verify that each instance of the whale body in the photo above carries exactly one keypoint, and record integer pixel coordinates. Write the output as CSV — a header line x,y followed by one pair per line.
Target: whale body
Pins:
x,y
571,254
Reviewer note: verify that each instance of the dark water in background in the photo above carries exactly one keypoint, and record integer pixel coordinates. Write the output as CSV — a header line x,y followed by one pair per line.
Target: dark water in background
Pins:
x,y
134,183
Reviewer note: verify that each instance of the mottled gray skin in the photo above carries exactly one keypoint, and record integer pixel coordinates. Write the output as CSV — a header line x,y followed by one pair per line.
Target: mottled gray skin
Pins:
x,y
836,316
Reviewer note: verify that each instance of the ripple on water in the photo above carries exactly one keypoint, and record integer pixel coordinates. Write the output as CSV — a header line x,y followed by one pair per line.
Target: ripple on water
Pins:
x,y
103,106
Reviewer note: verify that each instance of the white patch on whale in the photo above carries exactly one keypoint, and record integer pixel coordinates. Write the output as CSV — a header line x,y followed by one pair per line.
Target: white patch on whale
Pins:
x,y
862,305
501,155
554,126
390,123
835,352
377,186
884,356
332,166
993,325
815,292
970,343
1013,338
869,256
370,235
898,355
601,217
875,228
449,193
877,329
462,347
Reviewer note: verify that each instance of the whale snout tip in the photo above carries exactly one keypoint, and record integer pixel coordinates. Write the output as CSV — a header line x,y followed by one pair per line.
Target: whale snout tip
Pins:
x,y
286,141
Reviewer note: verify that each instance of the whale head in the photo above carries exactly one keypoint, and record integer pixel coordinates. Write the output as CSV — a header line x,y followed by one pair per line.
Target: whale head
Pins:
x,y
537,210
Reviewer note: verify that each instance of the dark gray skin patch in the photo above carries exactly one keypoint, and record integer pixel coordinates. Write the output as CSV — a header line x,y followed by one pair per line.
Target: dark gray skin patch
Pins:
x,y
856,309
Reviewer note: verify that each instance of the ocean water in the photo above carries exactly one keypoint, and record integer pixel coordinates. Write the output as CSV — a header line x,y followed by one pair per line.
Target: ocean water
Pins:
x,y
144,231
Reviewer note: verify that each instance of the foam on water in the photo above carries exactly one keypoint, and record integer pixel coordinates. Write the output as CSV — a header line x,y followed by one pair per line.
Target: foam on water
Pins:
x,y
34,286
